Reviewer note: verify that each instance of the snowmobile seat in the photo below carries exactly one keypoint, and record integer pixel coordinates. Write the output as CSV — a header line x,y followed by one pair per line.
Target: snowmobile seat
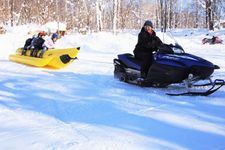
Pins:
x,y
130,61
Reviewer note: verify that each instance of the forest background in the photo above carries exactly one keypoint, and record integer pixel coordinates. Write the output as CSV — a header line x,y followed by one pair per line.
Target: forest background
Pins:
x,y
114,15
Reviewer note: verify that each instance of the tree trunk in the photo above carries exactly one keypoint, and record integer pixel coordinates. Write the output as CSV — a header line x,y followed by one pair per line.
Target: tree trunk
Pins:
x,y
115,9
11,12
196,14
99,15
170,13
161,14
209,12
165,16
157,14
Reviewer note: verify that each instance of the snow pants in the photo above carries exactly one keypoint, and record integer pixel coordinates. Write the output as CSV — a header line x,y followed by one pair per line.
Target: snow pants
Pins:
x,y
146,61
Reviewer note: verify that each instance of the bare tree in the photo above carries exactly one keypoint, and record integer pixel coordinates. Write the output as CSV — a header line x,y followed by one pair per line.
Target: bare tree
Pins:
x,y
115,15
99,15
12,11
210,10
163,15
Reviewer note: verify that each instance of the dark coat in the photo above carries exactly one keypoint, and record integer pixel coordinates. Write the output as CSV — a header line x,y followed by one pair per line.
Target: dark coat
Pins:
x,y
27,44
37,43
147,43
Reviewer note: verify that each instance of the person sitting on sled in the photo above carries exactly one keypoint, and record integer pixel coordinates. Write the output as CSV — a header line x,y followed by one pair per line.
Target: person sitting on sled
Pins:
x,y
147,43
49,43
34,44
37,43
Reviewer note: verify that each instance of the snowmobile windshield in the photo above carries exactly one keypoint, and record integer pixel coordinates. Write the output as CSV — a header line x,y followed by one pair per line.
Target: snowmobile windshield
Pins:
x,y
170,49
170,45
177,48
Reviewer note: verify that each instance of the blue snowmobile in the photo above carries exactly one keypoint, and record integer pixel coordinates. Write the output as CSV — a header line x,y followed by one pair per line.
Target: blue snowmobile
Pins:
x,y
171,65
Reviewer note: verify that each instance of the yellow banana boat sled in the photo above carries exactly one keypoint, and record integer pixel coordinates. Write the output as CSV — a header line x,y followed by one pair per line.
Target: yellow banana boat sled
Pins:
x,y
52,58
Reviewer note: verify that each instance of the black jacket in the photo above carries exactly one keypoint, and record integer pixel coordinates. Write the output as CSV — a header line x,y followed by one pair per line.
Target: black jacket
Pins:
x,y
37,43
147,43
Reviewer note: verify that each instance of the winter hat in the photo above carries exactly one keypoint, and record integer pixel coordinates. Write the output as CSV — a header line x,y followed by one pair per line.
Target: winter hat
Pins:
x,y
42,33
148,23
54,35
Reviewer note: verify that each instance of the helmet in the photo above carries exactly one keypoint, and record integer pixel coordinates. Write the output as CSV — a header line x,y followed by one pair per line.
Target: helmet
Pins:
x,y
42,33
148,23
55,35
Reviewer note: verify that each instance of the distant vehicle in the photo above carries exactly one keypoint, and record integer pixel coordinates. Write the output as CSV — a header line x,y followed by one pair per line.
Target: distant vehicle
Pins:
x,y
213,40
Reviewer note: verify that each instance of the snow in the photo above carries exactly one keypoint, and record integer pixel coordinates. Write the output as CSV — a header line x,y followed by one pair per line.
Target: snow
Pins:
x,y
83,107
54,26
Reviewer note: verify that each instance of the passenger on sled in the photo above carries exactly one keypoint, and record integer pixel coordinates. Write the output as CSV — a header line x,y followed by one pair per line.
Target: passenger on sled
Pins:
x,y
39,43
49,43
34,44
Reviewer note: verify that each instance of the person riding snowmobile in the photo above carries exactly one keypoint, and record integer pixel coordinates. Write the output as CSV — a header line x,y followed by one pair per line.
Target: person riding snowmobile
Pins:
x,y
148,42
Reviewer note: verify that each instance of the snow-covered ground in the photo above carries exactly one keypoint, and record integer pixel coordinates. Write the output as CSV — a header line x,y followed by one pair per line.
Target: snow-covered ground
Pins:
x,y
82,107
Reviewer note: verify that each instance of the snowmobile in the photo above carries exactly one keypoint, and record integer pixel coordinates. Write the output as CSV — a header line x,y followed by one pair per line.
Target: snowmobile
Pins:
x,y
171,65
213,40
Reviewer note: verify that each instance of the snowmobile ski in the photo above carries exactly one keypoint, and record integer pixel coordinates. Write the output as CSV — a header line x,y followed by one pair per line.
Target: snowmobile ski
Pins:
x,y
217,84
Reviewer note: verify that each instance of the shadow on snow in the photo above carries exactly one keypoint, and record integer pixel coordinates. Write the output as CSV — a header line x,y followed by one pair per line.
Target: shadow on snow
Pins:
x,y
102,100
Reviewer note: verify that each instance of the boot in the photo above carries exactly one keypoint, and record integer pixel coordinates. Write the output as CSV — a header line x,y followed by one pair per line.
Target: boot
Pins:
x,y
23,52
